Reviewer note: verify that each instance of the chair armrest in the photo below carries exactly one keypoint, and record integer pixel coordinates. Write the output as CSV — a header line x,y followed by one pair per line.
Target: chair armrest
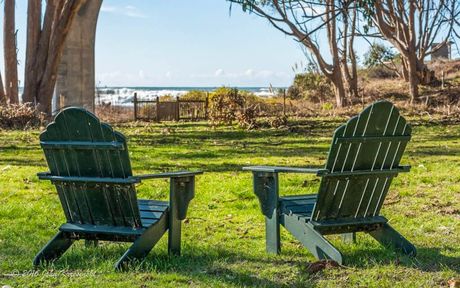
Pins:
x,y
182,190
83,179
169,175
404,168
43,175
278,169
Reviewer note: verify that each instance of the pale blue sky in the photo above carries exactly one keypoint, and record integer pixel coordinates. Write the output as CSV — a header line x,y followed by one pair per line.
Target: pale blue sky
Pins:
x,y
182,43
190,43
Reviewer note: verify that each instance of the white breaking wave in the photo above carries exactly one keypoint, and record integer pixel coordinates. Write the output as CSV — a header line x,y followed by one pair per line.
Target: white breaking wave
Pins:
x,y
125,96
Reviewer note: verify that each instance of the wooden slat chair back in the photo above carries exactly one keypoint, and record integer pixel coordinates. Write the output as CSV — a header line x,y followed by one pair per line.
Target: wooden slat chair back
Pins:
x,y
363,160
78,145
90,167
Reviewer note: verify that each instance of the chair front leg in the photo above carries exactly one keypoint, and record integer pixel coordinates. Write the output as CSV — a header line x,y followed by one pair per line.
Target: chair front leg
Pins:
x,y
182,191
266,188
314,241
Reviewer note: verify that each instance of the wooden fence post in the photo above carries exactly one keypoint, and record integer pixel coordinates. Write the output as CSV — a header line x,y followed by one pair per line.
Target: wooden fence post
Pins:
x,y
135,106
177,108
206,106
157,109
284,102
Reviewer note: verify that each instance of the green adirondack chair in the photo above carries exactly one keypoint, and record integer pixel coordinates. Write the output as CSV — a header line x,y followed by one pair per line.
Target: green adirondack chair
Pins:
x,y
90,167
363,160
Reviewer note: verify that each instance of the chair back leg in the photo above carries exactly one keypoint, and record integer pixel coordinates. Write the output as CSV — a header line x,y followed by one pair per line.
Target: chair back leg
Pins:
x,y
387,236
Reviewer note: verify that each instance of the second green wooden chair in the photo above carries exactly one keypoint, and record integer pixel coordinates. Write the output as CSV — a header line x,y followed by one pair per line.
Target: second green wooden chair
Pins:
x,y
363,160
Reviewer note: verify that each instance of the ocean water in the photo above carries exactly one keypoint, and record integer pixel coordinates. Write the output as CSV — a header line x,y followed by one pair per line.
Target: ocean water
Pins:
x,y
124,96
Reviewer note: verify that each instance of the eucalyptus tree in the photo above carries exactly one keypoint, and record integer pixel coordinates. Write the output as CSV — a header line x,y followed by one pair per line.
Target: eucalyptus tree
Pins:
x,y
45,43
10,52
307,21
3,100
417,29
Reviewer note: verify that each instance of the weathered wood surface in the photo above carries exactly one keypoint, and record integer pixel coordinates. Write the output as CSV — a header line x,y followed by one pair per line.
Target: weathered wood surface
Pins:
x,y
90,167
373,164
364,158
67,144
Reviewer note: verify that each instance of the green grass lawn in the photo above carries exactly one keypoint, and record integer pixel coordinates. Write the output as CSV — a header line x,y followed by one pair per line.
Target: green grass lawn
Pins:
x,y
223,237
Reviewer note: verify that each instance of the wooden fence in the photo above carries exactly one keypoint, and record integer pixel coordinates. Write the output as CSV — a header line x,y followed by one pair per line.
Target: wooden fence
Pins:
x,y
156,110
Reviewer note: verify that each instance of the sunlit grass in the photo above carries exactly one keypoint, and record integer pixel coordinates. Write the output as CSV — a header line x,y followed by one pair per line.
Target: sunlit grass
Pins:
x,y
223,237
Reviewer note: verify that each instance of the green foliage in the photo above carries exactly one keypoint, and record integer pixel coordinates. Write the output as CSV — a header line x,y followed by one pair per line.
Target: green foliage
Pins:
x,y
194,95
378,54
225,104
380,72
167,98
367,8
229,104
327,106
310,85
294,92
381,61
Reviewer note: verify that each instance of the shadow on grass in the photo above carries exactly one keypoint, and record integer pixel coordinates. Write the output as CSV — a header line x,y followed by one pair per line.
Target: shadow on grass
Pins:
x,y
23,162
229,266
434,151
428,259
207,266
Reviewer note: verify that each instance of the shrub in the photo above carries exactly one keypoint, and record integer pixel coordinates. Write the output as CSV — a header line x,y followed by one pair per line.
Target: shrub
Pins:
x,y
194,95
381,72
294,92
167,98
228,104
247,118
381,62
224,105
20,116
312,86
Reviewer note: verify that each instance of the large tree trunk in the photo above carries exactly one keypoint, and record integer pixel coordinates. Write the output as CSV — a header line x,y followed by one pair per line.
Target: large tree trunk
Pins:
x,y
10,53
34,13
414,80
353,88
2,92
56,47
339,87
76,84
347,55
405,70
59,15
